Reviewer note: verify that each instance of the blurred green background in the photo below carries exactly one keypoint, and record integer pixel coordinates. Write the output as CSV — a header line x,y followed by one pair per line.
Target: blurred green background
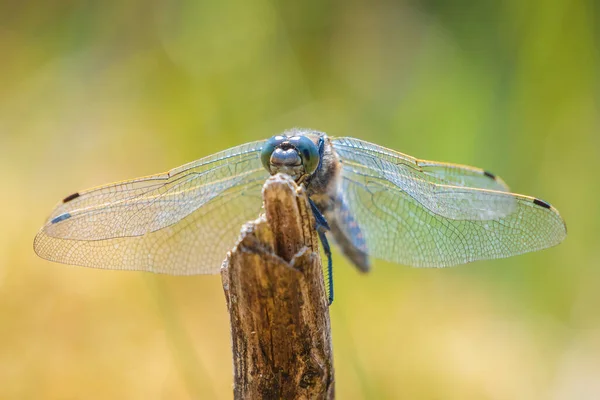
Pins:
x,y
92,92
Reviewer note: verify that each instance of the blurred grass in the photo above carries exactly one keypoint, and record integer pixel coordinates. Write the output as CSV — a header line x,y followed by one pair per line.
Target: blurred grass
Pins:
x,y
92,92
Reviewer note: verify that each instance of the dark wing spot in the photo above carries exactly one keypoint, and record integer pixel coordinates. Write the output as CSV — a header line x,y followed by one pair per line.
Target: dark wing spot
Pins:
x,y
489,175
61,217
541,203
70,197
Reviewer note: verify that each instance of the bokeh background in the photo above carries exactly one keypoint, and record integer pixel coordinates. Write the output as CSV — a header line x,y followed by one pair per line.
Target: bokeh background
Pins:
x,y
93,92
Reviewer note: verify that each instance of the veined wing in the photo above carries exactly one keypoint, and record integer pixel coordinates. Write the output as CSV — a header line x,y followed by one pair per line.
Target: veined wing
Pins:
x,y
461,175
181,222
414,213
182,177
434,171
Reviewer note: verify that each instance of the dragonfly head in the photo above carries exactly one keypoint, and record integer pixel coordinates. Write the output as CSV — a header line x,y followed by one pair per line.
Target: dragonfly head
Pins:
x,y
296,156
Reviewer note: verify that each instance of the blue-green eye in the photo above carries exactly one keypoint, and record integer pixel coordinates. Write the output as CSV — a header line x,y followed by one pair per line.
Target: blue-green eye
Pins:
x,y
268,149
309,152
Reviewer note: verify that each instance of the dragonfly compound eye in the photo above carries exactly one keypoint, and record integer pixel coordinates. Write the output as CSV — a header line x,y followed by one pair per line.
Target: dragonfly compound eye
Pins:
x,y
308,151
295,156
268,149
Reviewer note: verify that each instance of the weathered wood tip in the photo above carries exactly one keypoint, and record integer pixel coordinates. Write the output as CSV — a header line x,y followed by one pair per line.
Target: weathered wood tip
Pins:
x,y
277,303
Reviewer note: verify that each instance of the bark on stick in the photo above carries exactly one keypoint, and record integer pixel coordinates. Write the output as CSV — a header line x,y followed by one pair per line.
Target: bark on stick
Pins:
x,y
276,299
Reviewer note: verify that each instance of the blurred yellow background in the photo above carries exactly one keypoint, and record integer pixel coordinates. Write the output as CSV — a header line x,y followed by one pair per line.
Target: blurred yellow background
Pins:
x,y
93,92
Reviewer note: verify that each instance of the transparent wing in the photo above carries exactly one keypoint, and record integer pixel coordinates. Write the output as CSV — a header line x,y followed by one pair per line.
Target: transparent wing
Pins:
x,y
181,222
429,214
461,175
211,169
434,171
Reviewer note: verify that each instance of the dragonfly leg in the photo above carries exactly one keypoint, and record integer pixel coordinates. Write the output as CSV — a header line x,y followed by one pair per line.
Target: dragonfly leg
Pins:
x,y
327,251
322,227
322,224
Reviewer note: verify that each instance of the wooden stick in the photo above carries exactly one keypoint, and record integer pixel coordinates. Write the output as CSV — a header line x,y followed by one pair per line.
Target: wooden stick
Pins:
x,y
273,282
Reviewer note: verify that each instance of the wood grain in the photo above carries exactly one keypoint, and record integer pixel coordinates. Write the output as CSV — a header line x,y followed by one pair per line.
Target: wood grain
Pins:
x,y
273,282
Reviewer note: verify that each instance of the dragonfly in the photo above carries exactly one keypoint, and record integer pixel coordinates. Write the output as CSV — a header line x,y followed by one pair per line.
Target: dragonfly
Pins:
x,y
374,202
